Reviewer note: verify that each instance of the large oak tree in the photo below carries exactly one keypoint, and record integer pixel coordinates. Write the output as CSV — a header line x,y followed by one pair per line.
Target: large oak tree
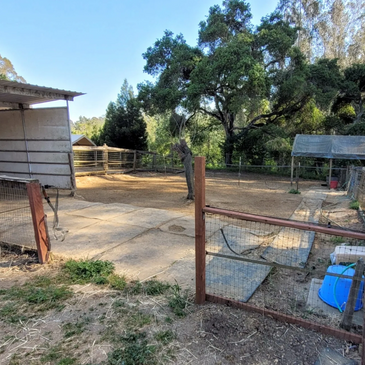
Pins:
x,y
244,77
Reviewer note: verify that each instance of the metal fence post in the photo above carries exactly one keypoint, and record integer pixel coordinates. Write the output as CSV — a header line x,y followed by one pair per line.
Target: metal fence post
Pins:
x,y
199,230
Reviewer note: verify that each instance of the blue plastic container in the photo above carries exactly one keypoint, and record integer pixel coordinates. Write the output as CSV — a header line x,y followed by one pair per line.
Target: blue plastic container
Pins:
x,y
342,288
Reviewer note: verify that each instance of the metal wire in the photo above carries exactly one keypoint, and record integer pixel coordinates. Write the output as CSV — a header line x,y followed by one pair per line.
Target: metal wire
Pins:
x,y
281,268
16,225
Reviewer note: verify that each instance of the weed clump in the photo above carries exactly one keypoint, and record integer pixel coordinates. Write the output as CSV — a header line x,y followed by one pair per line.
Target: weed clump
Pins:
x,y
87,271
178,302
154,287
294,191
136,350
355,205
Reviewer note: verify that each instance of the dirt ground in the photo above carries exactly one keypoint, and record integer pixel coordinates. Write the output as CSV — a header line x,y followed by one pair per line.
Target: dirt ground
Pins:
x,y
208,334
255,193
94,322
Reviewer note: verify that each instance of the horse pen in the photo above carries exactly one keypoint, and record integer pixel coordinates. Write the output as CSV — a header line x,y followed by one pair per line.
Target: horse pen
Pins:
x,y
252,266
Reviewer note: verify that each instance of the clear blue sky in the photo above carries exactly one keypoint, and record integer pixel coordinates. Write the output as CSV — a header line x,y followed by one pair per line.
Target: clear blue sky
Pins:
x,y
91,46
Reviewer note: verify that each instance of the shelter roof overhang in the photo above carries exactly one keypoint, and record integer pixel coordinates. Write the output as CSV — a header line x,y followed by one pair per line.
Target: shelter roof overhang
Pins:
x,y
14,93
329,146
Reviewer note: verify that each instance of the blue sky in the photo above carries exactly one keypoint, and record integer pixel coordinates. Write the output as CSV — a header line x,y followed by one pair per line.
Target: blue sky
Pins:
x,y
91,46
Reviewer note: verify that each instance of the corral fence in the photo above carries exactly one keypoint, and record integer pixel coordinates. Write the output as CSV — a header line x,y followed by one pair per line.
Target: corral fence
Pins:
x,y
22,219
296,271
105,159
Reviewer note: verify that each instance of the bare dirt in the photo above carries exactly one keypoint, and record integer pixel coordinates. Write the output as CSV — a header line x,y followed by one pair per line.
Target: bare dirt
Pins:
x,y
89,326
209,334
255,193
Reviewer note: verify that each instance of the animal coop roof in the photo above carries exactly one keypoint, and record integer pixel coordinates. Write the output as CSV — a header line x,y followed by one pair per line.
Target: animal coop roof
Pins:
x,y
14,93
342,147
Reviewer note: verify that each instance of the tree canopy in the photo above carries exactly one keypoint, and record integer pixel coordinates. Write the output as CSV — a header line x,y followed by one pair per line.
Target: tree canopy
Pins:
x,y
7,71
245,77
124,124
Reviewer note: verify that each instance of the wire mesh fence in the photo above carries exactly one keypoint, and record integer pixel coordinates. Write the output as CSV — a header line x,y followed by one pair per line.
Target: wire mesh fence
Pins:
x,y
289,267
356,185
16,225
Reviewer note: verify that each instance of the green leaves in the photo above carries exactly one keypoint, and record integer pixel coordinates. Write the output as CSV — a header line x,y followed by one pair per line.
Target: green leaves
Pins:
x,y
124,125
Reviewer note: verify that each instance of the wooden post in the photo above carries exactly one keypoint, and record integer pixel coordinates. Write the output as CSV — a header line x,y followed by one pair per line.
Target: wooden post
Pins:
x,y
363,335
134,160
39,224
346,322
330,175
292,171
239,172
199,230
105,158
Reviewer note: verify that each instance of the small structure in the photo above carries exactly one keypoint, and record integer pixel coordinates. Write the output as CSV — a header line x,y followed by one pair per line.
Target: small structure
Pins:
x,y
328,146
81,140
36,143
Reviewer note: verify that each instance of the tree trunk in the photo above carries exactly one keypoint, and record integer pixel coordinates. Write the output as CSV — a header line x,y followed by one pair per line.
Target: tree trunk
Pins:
x,y
187,159
229,146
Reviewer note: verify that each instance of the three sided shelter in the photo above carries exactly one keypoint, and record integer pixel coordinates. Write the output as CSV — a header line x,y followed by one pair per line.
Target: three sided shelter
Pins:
x,y
36,143
328,146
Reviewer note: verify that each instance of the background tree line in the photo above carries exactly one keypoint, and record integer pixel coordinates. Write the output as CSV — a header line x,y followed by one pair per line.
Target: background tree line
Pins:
x,y
243,90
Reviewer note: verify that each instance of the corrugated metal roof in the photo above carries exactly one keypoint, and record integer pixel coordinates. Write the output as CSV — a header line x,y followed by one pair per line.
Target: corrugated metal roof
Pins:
x,y
12,92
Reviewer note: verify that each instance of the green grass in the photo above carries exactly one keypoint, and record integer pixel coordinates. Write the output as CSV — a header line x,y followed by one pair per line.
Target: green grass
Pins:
x,y
88,271
154,287
178,302
135,351
73,329
337,240
165,337
294,191
35,296
355,205
137,320
117,282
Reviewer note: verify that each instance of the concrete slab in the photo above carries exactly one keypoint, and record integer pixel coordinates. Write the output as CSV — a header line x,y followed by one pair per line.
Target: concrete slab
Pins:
x,y
70,224
292,247
317,305
234,279
68,204
184,226
95,239
103,211
147,217
150,254
181,271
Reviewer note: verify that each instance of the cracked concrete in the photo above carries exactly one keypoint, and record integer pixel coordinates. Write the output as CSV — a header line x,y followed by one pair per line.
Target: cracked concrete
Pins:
x,y
141,242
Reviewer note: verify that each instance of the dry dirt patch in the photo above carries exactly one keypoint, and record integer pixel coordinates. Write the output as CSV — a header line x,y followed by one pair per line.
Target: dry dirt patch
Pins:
x,y
257,194
97,324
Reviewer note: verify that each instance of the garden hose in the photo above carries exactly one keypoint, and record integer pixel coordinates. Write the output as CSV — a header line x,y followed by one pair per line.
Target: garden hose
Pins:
x,y
335,285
